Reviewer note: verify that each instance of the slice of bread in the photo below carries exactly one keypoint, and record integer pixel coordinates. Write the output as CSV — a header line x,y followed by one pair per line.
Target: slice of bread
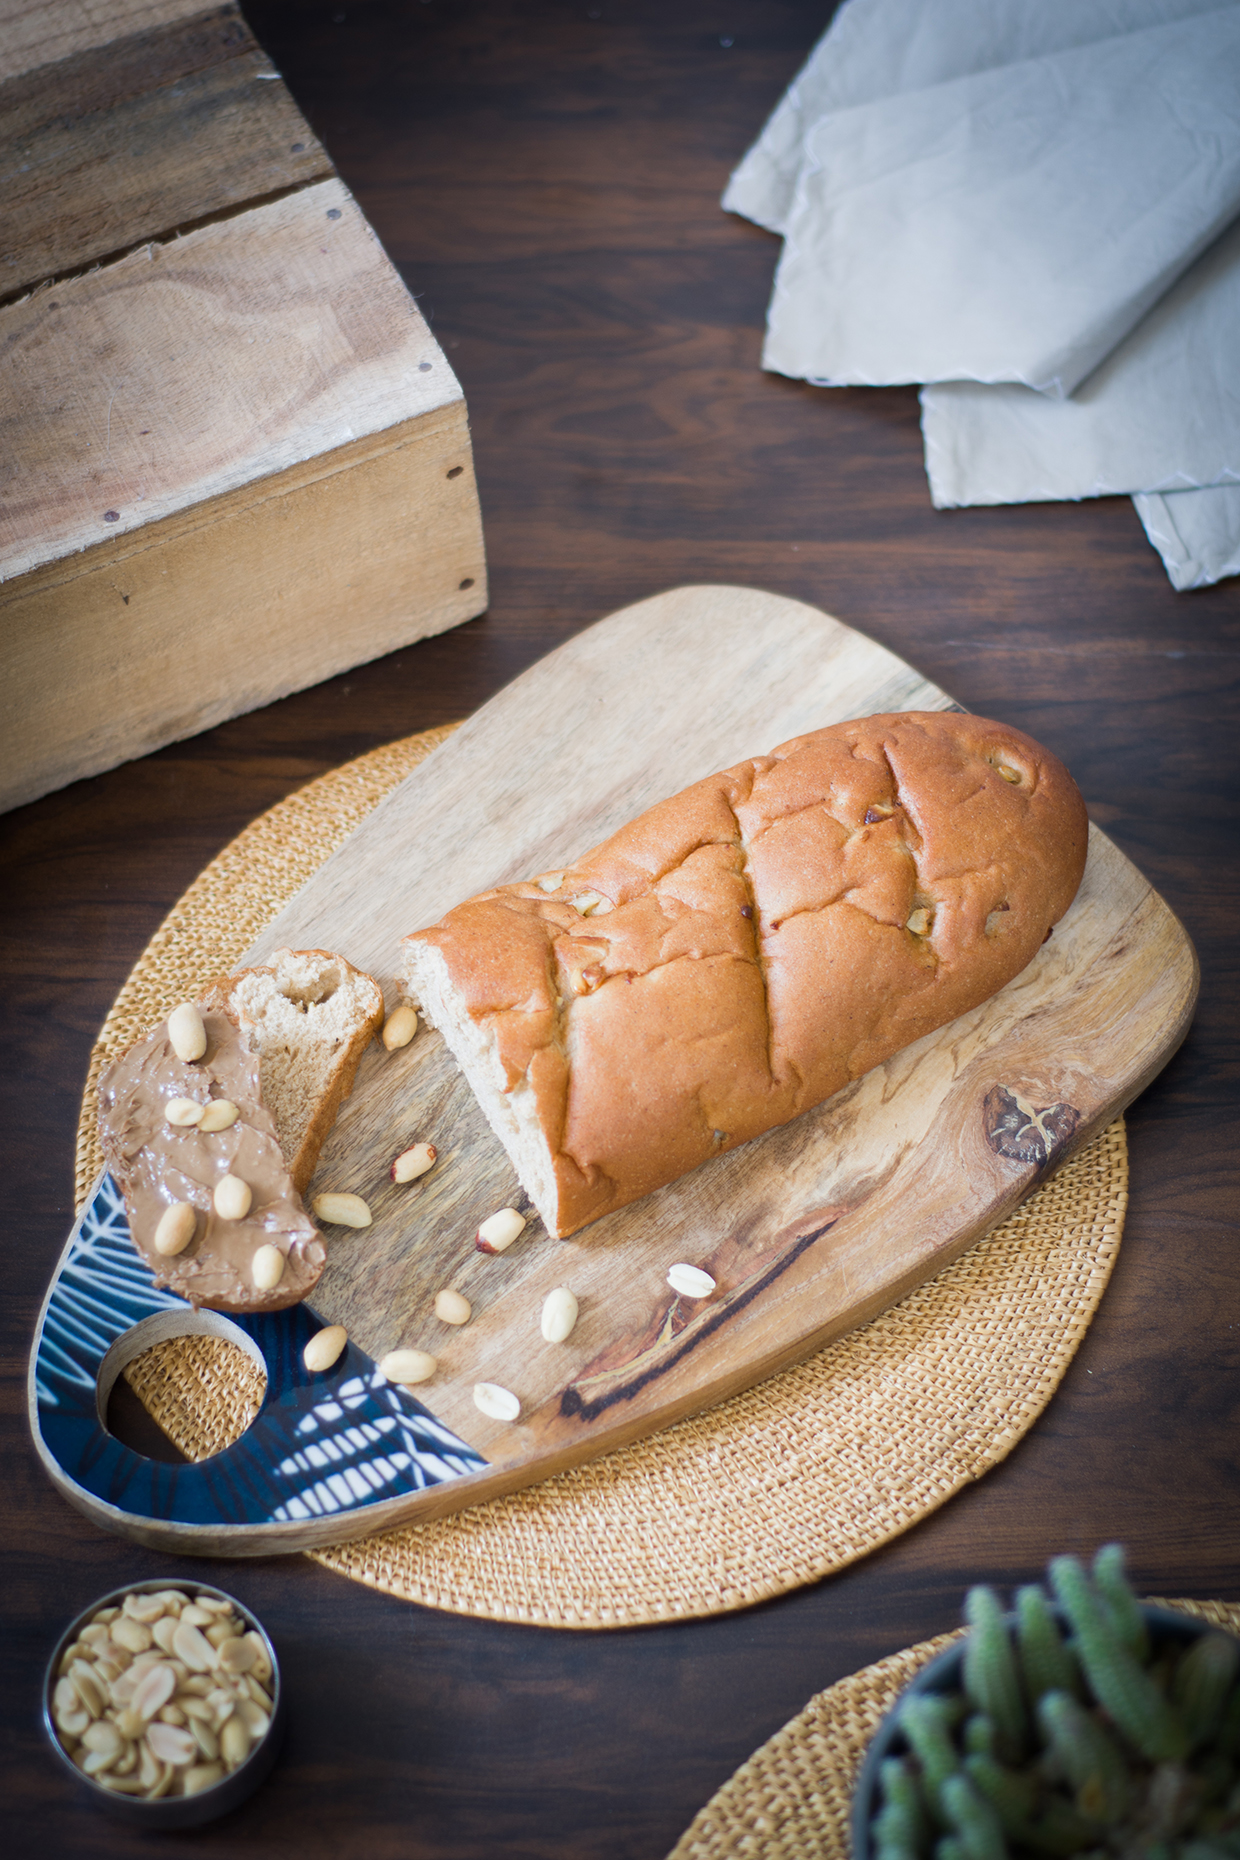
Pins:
x,y
281,1046
309,1015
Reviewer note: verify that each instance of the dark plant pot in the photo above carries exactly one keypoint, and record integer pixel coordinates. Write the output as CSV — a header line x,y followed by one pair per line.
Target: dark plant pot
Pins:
x,y
943,1674
190,1811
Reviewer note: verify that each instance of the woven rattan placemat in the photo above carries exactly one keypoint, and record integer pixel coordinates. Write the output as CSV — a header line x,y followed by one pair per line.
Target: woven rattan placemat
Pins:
x,y
792,1799
778,1486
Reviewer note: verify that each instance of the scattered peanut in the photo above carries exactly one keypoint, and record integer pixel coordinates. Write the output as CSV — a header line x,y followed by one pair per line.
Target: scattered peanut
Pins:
x,y
175,1229
400,1026
186,1034
140,1724
586,901
408,1366
232,1198
412,1163
550,881
342,1210
324,1347
497,1403
182,1112
267,1268
220,1114
499,1231
690,1281
559,1314
1009,774
452,1307
919,921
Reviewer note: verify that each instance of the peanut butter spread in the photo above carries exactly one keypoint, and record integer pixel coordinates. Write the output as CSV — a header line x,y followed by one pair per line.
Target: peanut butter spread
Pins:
x,y
157,1165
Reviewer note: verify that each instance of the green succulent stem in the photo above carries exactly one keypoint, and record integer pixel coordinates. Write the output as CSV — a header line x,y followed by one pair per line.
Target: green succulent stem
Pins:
x,y
1119,1681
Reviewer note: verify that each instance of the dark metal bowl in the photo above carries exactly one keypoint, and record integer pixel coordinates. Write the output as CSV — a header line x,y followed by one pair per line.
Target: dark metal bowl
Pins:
x,y
943,1674
189,1811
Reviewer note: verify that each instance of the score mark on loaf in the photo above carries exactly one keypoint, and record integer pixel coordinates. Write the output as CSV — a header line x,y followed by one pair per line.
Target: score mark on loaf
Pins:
x,y
745,949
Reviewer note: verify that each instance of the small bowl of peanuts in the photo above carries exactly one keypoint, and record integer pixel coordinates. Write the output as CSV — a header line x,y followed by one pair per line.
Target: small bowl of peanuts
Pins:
x,y
163,1699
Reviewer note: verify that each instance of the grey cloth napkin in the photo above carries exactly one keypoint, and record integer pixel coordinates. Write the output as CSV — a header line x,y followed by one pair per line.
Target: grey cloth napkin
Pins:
x,y
1014,224
1197,533
882,48
907,118
1161,413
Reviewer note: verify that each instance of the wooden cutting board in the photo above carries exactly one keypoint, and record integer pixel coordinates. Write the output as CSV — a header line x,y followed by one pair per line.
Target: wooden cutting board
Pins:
x,y
807,1231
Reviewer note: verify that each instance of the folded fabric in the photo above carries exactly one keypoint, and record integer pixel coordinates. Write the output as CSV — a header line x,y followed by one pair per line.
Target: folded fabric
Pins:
x,y
882,48
1013,225
1161,413
1197,533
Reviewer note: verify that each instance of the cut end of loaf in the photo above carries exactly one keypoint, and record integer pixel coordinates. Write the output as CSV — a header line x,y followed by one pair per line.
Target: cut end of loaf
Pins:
x,y
512,1115
309,1016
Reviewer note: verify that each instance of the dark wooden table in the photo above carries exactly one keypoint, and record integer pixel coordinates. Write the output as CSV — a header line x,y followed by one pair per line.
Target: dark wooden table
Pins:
x,y
546,174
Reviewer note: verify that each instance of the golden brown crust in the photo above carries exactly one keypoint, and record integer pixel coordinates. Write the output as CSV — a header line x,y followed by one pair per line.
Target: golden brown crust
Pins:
x,y
765,937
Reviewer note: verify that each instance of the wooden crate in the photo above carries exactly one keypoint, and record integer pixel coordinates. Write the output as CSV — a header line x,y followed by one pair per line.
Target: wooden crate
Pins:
x,y
233,460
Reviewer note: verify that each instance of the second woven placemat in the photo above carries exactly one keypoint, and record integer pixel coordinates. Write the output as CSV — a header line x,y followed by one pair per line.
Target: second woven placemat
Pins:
x,y
792,1800
777,1487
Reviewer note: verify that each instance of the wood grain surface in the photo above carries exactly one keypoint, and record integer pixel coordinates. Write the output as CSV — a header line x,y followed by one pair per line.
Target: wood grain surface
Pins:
x,y
547,182
133,140
42,32
216,448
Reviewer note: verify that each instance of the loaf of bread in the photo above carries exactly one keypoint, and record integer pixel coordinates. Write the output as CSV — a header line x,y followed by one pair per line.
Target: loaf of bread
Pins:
x,y
213,1151
748,947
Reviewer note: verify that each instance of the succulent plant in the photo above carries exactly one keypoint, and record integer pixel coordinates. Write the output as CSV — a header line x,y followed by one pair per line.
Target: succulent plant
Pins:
x,y
1072,1730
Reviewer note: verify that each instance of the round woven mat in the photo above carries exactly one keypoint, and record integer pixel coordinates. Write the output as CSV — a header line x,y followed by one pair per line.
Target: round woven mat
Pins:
x,y
793,1798
778,1486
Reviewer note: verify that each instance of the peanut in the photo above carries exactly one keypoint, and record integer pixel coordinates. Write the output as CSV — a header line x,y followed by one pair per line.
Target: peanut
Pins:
x,y
342,1210
497,1403
220,1114
499,1231
324,1347
267,1268
412,1163
690,1281
400,1026
174,1233
190,1644
182,1112
133,1635
232,1198
559,1314
452,1307
186,1034
234,1740
407,1366
171,1743
236,1655
201,1777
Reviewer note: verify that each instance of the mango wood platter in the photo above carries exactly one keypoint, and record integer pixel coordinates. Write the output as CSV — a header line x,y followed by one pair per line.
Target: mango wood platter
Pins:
x,y
807,1231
